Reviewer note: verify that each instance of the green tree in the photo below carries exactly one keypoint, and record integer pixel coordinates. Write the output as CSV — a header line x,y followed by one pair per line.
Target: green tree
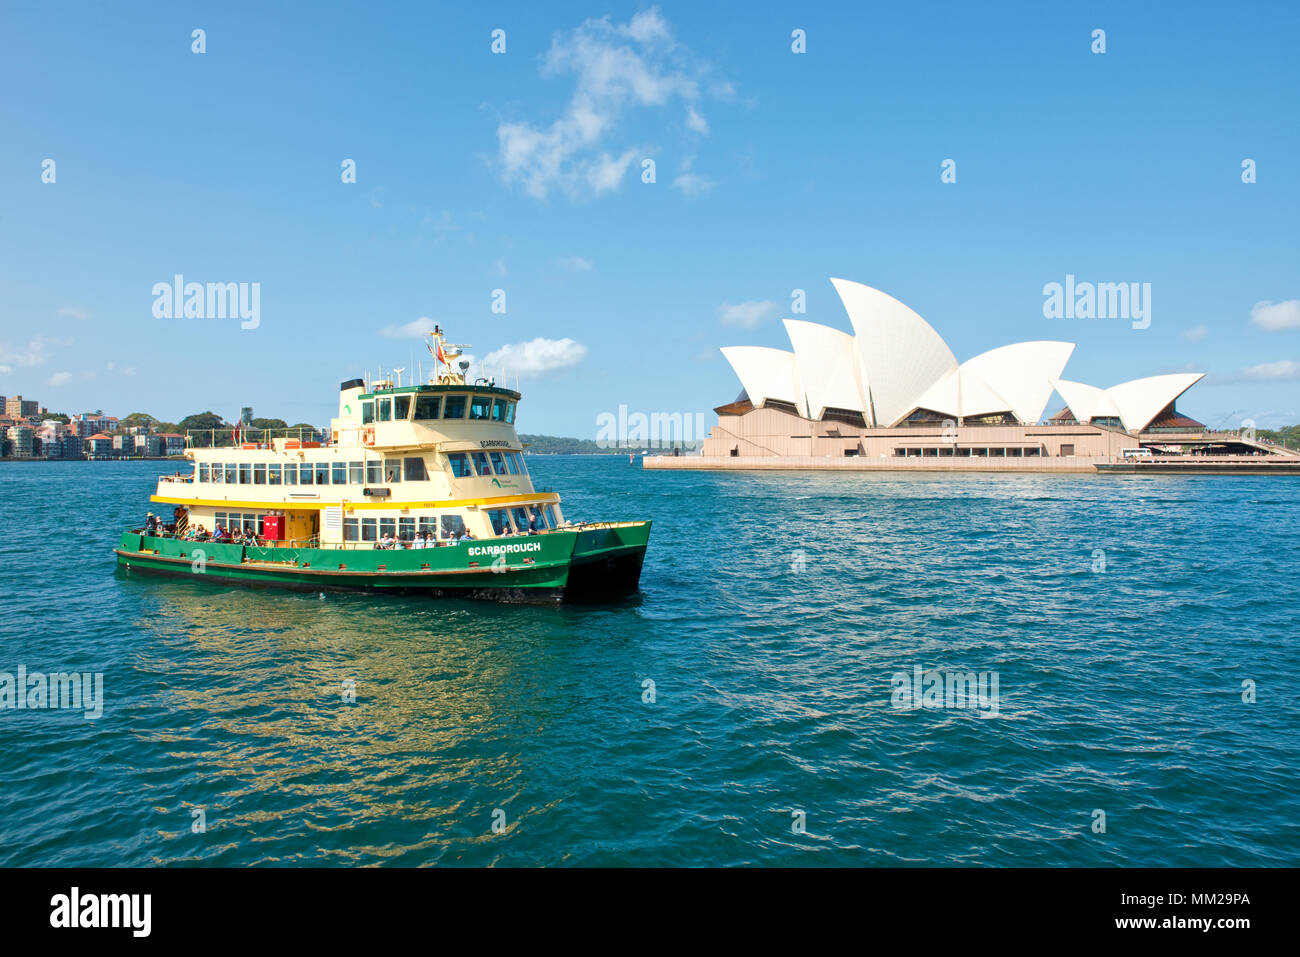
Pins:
x,y
203,420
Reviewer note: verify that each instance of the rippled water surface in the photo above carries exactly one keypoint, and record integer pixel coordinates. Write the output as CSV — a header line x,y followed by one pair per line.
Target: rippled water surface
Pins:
x,y
774,610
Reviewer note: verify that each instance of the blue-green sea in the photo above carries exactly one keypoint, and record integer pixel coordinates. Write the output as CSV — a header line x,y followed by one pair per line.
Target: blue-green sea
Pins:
x,y
742,710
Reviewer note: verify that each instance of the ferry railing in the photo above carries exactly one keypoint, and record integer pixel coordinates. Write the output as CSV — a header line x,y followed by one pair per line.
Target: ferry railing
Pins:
x,y
234,436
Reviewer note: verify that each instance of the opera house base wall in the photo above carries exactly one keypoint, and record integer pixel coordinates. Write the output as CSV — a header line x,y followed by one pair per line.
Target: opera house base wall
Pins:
x,y
768,438
862,464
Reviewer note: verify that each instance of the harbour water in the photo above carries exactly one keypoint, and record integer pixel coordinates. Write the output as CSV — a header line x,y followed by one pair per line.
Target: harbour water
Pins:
x,y
743,709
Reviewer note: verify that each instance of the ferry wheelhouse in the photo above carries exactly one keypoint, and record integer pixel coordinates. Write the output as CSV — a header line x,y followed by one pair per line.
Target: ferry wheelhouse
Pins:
x,y
418,488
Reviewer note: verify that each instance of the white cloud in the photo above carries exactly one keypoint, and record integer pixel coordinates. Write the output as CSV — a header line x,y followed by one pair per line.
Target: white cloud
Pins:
x,y
576,264
500,266
692,184
59,378
1197,334
1284,370
617,68
73,312
536,356
1275,316
747,314
696,122
412,330
35,353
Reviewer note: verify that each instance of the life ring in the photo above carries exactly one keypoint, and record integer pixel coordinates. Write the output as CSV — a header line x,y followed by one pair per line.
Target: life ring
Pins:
x,y
368,437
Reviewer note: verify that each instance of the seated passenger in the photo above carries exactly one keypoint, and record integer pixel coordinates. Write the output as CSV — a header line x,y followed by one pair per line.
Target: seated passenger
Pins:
x,y
533,528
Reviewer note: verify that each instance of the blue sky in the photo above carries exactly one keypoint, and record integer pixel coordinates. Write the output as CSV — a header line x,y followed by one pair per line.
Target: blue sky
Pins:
x,y
522,172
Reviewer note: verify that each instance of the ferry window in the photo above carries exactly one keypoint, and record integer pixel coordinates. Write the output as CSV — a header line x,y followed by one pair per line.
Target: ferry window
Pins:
x,y
452,525
368,530
519,462
392,470
500,520
511,463
406,528
543,518
387,526
498,462
273,475
454,408
428,406
374,472
259,473
351,530
459,464
250,523
550,515
415,470
481,463
219,520
322,473
339,473
402,407
304,473
203,473
218,473
367,413
291,474
385,410
429,525
356,473
521,517
480,407
510,414
499,410
245,473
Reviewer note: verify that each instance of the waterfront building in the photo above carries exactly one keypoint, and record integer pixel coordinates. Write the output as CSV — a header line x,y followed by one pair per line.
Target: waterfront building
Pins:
x,y
891,394
21,440
21,408
100,446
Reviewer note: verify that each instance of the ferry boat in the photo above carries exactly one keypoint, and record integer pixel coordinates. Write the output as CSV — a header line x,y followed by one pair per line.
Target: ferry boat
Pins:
x,y
418,489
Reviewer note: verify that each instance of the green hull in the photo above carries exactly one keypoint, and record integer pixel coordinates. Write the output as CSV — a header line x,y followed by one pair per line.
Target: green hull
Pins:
x,y
588,564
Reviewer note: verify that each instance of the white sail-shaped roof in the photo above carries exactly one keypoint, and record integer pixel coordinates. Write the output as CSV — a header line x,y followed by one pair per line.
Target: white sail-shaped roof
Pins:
x,y
1086,402
1015,378
766,374
1134,403
827,367
901,354
962,393
894,363
1141,400
1021,374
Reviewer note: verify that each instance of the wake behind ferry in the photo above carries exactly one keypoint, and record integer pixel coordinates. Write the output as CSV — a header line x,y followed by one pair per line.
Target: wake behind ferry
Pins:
x,y
420,488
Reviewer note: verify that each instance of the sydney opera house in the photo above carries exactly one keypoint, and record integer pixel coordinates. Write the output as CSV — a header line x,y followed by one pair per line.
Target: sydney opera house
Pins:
x,y
891,394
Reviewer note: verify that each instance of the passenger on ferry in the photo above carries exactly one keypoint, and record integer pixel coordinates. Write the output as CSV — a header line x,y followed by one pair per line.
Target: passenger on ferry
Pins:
x,y
532,525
